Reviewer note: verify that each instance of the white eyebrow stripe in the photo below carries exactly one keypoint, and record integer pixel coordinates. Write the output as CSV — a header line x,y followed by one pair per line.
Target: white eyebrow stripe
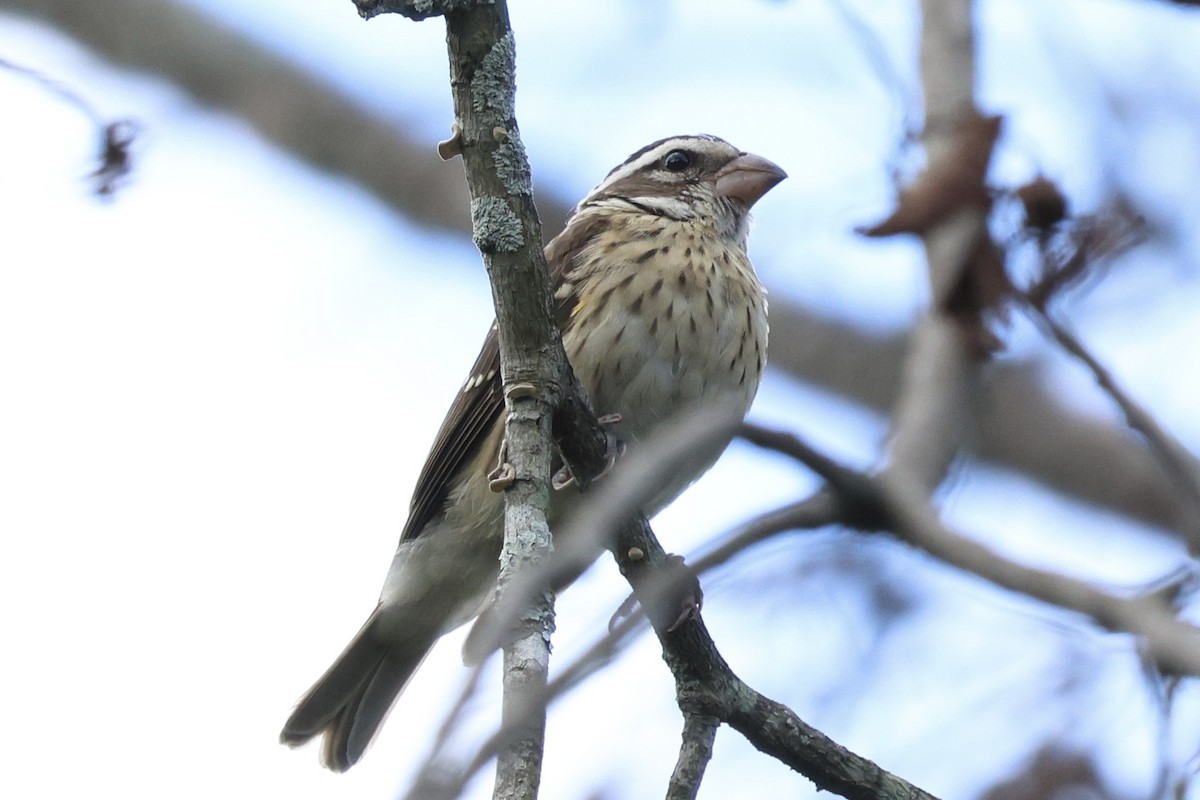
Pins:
x,y
645,160
701,142
698,142
641,162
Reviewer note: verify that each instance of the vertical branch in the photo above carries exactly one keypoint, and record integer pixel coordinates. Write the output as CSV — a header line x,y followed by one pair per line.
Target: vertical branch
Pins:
x,y
695,751
932,412
508,235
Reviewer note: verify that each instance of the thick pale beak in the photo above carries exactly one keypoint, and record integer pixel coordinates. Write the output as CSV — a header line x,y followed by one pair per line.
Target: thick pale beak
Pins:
x,y
747,178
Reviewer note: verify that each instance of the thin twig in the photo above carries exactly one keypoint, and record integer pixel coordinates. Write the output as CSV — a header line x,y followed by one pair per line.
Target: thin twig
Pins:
x,y
820,510
57,88
116,136
440,780
876,55
1173,645
433,779
1180,465
898,504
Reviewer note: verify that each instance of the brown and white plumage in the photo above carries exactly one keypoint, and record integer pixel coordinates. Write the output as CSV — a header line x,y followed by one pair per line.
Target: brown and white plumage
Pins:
x,y
660,310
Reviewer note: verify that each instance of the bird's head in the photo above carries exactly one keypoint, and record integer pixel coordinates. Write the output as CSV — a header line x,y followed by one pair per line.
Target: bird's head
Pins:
x,y
689,178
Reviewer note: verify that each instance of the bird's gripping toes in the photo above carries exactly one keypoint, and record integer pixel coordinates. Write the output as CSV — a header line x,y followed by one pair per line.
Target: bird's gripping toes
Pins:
x,y
660,311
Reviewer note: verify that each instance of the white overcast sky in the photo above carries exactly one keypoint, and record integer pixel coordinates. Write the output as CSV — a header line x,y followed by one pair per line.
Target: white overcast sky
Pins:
x,y
216,393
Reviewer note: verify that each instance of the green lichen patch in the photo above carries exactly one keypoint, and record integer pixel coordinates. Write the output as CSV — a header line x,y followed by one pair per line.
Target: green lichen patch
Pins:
x,y
492,84
496,228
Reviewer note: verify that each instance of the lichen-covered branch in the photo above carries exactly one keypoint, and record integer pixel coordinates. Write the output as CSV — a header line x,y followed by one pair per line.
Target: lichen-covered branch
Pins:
x,y
695,751
507,232
1022,424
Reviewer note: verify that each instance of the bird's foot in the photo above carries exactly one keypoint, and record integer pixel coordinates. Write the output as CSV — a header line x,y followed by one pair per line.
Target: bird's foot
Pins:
x,y
674,595
616,448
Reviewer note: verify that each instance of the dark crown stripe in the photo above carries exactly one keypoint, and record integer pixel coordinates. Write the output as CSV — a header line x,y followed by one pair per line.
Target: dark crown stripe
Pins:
x,y
681,140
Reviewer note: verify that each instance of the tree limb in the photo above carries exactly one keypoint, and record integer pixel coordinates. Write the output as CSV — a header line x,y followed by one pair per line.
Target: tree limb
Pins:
x,y
896,503
282,101
508,234
1018,423
706,686
695,751
1180,465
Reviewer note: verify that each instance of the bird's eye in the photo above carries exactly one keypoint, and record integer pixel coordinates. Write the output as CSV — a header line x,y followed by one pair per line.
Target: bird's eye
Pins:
x,y
677,160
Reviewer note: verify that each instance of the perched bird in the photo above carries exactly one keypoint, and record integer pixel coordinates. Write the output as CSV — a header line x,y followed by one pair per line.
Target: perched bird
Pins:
x,y
660,311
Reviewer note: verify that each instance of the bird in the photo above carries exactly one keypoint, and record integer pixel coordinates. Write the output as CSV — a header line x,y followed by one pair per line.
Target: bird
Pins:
x,y
660,311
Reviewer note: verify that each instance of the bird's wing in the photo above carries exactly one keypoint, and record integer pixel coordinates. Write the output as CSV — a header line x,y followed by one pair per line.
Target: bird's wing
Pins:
x,y
479,405
470,419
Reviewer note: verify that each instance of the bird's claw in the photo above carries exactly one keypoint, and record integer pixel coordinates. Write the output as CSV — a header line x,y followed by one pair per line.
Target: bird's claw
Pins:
x,y
624,610
502,477
681,594
564,477
690,597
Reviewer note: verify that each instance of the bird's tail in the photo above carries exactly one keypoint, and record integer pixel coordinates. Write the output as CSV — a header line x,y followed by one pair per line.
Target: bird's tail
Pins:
x,y
349,703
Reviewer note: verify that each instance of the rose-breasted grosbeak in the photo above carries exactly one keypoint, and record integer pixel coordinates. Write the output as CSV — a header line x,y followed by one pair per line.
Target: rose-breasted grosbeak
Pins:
x,y
660,310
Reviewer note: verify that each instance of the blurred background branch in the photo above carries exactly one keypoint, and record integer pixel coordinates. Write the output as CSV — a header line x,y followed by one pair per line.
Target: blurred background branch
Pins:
x,y
256,216
1019,423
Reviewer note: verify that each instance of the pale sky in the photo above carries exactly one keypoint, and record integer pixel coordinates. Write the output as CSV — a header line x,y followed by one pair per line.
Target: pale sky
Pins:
x,y
219,388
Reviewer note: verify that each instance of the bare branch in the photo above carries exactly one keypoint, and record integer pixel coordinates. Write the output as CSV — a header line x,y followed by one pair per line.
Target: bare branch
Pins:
x,y
1180,465
932,414
116,136
658,583
896,502
818,511
508,234
1021,425
707,686
532,360
1017,421
1172,644
695,751
931,417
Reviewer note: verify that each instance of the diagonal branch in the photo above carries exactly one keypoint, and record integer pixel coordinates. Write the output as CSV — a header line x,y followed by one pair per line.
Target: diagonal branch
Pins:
x,y
707,687
1181,467
1170,643
1021,425
896,503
